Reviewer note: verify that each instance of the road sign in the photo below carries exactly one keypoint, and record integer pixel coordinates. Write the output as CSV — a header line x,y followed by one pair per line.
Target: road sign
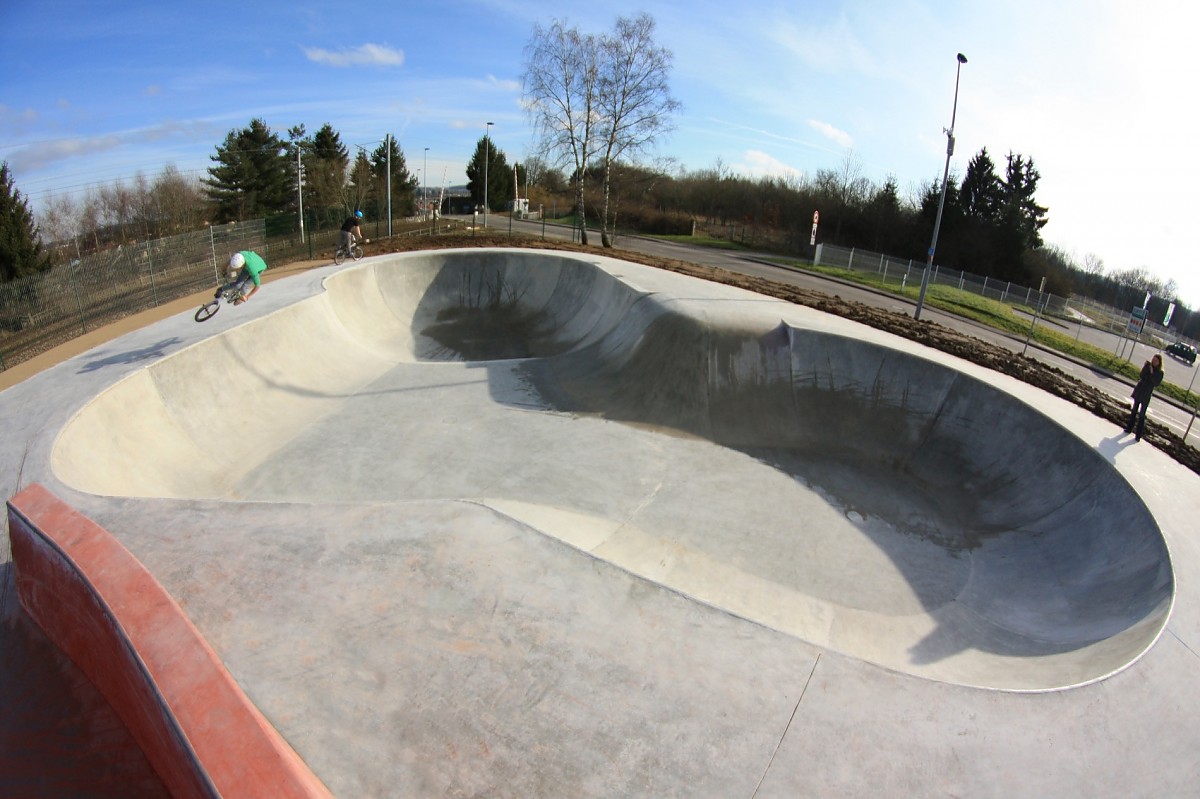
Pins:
x,y
1137,320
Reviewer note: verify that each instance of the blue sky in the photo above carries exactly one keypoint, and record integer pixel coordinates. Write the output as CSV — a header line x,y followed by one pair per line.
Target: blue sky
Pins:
x,y
1100,94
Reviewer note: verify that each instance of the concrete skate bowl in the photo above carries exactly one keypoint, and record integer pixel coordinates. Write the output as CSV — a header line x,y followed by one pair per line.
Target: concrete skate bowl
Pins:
x,y
789,467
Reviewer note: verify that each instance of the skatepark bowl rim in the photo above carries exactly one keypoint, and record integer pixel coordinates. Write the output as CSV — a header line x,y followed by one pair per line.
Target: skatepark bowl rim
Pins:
x,y
887,502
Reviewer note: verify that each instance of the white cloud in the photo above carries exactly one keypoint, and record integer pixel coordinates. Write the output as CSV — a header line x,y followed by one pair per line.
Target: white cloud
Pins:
x,y
504,85
835,135
373,55
18,122
759,164
41,154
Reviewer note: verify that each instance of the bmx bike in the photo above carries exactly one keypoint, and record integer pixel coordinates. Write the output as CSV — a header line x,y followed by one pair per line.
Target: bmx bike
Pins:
x,y
355,252
230,293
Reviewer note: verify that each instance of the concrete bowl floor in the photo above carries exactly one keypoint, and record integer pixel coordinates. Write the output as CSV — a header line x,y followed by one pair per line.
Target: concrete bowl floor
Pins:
x,y
517,523
803,475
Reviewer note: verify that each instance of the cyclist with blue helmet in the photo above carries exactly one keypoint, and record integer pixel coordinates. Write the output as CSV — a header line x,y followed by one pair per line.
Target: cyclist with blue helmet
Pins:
x,y
351,231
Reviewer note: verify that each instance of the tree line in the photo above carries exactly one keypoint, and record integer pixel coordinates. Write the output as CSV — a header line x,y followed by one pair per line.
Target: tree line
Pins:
x,y
598,103
255,173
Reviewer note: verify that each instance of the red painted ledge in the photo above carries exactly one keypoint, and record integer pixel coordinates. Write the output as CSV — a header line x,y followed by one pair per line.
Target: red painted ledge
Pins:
x,y
101,606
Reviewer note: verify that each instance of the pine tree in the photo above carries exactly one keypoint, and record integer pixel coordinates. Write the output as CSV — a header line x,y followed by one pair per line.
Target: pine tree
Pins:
x,y
20,247
253,174
497,179
360,189
981,189
403,182
326,164
1020,211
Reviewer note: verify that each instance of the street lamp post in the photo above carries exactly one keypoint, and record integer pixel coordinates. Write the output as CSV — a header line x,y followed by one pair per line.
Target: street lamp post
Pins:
x,y
425,188
487,156
962,59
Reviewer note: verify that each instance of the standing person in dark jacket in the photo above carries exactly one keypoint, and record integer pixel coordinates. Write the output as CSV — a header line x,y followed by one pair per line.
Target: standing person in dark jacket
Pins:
x,y
1152,375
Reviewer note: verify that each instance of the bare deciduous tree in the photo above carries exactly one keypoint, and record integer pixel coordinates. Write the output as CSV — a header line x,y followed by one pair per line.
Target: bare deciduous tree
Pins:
x,y
178,203
598,98
1093,264
561,86
635,102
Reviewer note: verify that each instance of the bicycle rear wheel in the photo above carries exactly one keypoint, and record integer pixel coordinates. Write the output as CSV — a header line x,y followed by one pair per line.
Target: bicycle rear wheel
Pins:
x,y
339,255
206,311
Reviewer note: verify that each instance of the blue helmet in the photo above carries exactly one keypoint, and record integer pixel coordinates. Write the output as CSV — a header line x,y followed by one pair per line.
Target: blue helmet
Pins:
x,y
358,214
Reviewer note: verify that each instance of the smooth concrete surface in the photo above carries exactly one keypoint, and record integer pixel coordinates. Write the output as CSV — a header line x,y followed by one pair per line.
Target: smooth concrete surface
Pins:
x,y
120,627
670,538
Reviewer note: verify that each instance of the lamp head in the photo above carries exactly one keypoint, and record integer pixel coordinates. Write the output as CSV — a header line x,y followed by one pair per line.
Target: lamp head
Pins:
x,y
962,59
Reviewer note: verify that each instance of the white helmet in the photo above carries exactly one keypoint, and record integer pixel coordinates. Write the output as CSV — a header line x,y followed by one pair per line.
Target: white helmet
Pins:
x,y
236,262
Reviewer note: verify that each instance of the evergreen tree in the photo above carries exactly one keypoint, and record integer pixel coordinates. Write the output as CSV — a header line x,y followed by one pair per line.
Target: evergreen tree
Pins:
x,y
326,162
252,176
950,234
404,183
981,188
498,177
20,248
1021,213
361,189
885,217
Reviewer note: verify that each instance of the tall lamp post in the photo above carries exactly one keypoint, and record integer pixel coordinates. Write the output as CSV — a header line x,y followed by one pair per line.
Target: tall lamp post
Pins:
x,y
425,188
962,59
487,156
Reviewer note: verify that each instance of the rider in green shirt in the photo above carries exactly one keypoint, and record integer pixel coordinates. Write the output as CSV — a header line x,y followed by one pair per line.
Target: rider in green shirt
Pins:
x,y
246,267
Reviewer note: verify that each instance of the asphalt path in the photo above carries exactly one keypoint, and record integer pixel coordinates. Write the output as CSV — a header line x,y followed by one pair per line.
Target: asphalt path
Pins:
x,y
1176,418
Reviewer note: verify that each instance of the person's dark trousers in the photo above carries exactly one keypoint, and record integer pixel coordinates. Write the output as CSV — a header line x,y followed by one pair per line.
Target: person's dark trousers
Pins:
x,y
1137,417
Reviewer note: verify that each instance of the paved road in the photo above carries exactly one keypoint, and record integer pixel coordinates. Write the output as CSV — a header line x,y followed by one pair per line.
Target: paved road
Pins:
x,y
1174,417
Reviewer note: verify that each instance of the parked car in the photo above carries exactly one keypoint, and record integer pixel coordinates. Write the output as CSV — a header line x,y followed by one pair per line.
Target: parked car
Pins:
x,y
1184,352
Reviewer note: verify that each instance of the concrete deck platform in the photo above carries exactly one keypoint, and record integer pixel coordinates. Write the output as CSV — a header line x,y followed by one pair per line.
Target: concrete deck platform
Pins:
x,y
511,523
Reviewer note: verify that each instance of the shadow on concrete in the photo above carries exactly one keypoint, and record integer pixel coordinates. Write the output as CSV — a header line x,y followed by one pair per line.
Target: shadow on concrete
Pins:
x,y
148,353
58,735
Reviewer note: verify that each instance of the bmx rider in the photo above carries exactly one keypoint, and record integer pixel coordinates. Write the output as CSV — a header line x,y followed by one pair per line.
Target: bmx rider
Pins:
x,y
245,268
351,231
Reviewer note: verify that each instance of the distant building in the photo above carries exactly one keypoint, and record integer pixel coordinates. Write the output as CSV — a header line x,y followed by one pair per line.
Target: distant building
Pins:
x,y
457,200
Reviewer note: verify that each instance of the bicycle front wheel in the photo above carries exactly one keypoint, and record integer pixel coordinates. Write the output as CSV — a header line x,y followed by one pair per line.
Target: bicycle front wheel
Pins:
x,y
358,251
206,311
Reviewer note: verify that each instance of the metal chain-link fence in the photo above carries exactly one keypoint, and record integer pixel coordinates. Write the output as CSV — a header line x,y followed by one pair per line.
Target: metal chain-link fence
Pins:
x,y
906,273
40,311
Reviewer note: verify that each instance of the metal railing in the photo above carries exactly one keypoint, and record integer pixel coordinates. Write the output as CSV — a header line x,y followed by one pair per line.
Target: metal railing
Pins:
x,y
40,311
906,272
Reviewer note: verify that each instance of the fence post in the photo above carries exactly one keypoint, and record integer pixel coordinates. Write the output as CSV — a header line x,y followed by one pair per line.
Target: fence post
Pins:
x,y
212,243
78,298
850,262
883,264
817,254
150,264
312,229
